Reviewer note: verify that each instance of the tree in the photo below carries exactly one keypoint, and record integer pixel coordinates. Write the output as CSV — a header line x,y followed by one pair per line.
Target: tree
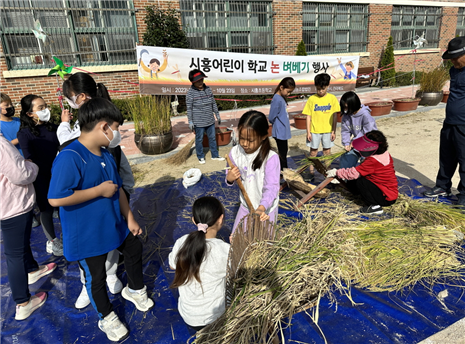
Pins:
x,y
301,50
388,76
163,28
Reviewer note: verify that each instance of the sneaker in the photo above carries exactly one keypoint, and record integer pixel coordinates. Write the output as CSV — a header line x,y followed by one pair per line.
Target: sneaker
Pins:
x,y
113,327
139,298
114,284
202,161
35,223
436,192
83,300
219,158
36,301
43,271
372,210
55,247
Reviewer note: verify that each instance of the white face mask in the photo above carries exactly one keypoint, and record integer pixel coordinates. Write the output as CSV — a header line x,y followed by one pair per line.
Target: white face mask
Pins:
x,y
116,139
44,115
72,102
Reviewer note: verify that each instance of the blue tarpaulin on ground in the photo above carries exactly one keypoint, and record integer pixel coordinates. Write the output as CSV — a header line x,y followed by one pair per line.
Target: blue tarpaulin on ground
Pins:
x,y
164,212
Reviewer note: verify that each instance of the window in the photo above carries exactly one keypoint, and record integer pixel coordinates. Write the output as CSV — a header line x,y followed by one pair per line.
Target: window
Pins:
x,y
334,28
411,22
80,32
234,26
461,22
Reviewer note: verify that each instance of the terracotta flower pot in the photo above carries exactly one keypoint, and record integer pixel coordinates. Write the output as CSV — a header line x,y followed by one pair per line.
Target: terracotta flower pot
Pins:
x,y
154,144
270,129
223,137
380,108
406,104
445,97
300,121
339,116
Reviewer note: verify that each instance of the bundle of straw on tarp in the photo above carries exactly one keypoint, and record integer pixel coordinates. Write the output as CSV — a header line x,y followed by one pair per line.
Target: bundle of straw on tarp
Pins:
x,y
181,157
273,279
296,181
324,159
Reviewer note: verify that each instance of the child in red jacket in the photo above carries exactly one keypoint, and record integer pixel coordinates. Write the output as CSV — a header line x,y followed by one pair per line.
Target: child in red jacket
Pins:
x,y
375,178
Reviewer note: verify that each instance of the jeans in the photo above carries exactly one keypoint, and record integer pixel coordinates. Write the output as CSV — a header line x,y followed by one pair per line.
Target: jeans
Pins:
x,y
19,260
349,159
211,134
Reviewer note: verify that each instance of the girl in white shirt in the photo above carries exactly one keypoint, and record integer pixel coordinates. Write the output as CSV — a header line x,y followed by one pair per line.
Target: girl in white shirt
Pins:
x,y
200,261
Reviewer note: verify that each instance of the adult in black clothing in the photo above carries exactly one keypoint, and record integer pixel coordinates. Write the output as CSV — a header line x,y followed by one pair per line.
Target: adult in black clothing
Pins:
x,y
38,139
452,139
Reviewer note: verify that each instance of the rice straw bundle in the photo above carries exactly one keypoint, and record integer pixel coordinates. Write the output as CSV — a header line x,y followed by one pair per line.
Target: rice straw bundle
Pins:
x,y
295,180
325,159
181,157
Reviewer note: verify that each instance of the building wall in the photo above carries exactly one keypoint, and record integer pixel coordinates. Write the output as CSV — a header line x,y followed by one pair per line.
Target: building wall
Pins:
x,y
287,33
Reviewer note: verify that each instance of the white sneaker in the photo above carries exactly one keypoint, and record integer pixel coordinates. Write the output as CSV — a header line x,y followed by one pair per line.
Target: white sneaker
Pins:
x,y
83,300
113,327
114,284
48,246
139,298
36,301
55,247
202,161
219,158
43,271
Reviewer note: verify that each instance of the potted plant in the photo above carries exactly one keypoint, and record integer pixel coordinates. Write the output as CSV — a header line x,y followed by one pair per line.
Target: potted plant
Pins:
x,y
445,96
152,123
431,84
222,135
406,104
300,121
380,108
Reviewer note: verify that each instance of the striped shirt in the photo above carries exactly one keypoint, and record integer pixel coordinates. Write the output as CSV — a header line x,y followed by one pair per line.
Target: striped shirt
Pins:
x,y
201,106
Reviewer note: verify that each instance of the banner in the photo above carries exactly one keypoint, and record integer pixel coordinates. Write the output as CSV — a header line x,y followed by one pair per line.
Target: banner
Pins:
x,y
166,70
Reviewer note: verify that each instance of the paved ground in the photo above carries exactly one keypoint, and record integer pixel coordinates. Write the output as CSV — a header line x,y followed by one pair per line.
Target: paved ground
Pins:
x,y
231,117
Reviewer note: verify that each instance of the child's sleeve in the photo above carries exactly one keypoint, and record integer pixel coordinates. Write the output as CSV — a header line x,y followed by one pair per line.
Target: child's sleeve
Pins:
x,y
270,189
172,257
215,107
275,109
189,105
227,165
17,170
24,144
65,175
126,175
336,105
345,133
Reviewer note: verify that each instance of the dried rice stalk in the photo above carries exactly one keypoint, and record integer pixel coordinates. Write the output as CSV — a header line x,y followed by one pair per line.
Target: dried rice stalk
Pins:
x,y
296,181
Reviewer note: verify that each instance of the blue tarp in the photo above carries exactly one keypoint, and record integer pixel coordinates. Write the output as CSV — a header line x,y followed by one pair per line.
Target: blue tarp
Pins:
x,y
164,212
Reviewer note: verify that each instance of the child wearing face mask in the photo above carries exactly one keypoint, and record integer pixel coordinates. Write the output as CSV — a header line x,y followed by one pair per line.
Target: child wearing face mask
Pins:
x,y
86,186
9,125
78,89
257,166
356,122
39,143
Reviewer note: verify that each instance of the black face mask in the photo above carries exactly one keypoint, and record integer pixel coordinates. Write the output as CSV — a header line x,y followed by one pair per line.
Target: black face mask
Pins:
x,y
10,112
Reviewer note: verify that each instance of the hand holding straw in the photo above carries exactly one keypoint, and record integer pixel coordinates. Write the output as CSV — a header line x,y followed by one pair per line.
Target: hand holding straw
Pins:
x,y
241,187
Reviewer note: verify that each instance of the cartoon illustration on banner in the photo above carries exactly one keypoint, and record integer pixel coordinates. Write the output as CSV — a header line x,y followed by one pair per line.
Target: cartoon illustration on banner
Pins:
x,y
237,73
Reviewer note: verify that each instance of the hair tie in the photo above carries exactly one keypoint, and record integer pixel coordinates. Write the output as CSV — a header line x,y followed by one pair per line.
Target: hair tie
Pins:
x,y
202,227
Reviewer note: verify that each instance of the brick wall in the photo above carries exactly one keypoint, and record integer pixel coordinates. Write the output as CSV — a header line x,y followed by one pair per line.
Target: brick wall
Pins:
x,y
287,26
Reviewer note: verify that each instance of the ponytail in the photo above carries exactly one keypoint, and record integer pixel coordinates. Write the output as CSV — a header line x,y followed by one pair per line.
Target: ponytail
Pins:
x,y
102,91
83,83
206,211
287,82
256,122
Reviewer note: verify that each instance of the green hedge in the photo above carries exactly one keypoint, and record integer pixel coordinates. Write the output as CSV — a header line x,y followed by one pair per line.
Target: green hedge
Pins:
x,y
405,78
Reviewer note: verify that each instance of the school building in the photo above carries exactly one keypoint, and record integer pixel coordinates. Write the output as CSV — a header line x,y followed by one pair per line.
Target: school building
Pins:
x,y
100,36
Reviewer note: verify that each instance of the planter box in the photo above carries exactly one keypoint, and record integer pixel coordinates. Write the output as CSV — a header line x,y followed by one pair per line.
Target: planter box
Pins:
x,y
380,108
300,121
154,144
445,97
429,98
223,137
406,104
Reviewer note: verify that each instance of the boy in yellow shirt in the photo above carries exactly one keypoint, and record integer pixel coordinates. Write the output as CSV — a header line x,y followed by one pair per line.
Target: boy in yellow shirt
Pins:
x,y
321,110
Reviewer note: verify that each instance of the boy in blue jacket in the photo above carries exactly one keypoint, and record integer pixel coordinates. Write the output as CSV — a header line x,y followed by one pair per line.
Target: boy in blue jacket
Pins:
x,y
95,213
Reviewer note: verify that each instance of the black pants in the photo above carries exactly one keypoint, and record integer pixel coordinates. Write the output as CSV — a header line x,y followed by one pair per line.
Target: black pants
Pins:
x,y
282,150
95,274
19,258
370,193
451,154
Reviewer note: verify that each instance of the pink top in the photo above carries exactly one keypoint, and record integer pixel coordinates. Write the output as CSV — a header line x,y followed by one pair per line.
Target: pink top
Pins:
x,y
17,193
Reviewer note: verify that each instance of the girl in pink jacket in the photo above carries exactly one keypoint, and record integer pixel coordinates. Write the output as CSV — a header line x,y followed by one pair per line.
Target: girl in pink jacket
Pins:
x,y
16,190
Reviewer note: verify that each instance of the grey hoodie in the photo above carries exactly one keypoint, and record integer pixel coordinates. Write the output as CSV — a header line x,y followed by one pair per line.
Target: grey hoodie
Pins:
x,y
356,125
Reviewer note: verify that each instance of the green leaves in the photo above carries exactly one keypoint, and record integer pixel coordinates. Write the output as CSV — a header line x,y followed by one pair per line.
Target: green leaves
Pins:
x,y
60,68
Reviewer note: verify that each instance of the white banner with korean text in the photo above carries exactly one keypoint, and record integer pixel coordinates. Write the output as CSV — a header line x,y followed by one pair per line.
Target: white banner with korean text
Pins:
x,y
165,71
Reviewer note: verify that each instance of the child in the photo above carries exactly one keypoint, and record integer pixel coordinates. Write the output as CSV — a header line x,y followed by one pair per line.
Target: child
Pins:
x,y
279,118
9,125
17,197
375,178
200,261
321,109
348,74
356,122
38,140
86,186
200,108
257,166
78,89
